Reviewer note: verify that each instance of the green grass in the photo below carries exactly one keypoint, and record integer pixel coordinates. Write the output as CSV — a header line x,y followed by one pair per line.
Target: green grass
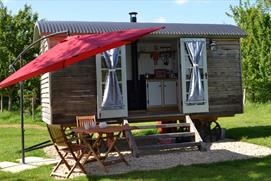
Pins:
x,y
245,170
14,118
10,135
10,141
253,126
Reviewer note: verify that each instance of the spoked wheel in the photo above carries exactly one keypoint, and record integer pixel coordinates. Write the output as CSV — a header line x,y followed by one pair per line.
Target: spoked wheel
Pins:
x,y
215,131
209,130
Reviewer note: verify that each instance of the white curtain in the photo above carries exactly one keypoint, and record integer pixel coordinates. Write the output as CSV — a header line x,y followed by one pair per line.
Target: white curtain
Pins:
x,y
195,50
112,98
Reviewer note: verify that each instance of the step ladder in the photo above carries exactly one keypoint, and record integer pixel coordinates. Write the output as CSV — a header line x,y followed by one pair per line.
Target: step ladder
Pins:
x,y
187,138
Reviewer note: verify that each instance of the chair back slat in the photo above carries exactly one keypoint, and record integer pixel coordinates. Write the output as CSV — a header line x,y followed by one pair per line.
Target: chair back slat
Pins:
x,y
57,135
81,120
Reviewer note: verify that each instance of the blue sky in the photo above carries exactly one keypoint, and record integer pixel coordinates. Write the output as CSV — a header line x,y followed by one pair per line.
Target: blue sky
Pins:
x,y
170,11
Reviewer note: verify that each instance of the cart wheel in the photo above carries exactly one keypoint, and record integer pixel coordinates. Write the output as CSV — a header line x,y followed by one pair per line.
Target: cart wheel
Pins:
x,y
215,131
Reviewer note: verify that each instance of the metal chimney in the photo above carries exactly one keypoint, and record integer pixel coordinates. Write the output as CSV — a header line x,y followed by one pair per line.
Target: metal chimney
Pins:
x,y
133,17
134,93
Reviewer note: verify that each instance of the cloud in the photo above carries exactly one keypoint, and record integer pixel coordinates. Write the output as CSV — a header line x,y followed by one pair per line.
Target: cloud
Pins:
x,y
160,20
181,2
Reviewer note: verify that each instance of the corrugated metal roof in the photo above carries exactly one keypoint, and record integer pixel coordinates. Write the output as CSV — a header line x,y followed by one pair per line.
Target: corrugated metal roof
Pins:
x,y
171,29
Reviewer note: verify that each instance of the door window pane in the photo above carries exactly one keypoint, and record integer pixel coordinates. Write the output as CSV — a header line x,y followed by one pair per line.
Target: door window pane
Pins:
x,y
187,62
201,61
201,73
188,73
103,87
187,86
103,62
104,75
118,72
120,84
119,62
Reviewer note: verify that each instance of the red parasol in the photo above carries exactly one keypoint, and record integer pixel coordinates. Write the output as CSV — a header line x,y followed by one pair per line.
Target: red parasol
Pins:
x,y
74,49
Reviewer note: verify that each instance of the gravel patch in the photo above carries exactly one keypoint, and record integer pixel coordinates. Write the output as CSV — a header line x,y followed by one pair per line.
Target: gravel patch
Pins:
x,y
216,152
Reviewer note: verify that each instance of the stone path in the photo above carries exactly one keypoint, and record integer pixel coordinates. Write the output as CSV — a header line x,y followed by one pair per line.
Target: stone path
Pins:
x,y
31,162
217,152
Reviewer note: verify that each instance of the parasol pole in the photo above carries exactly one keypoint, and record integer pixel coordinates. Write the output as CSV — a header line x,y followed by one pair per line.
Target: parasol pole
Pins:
x,y
11,67
22,114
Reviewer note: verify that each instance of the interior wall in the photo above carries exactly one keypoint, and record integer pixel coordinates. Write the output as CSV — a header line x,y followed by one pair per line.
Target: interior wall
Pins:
x,y
128,62
146,62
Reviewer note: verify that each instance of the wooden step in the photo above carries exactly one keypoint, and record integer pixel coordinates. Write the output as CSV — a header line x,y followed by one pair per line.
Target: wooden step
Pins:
x,y
172,145
168,125
166,135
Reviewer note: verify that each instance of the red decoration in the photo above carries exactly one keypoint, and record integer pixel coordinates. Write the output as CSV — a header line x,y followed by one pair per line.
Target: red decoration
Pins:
x,y
160,73
155,56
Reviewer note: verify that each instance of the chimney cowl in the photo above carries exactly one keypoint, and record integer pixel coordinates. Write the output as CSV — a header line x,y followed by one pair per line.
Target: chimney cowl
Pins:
x,y
133,17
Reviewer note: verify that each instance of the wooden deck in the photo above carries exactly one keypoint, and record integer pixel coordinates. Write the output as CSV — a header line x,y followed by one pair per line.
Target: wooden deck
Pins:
x,y
154,115
144,115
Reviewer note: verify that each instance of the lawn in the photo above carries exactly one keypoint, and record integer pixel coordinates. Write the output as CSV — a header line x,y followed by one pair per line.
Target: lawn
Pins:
x,y
253,126
10,139
14,118
246,170
10,142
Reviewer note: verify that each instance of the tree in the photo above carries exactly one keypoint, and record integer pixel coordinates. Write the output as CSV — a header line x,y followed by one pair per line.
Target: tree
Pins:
x,y
5,21
16,32
267,3
24,22
256,48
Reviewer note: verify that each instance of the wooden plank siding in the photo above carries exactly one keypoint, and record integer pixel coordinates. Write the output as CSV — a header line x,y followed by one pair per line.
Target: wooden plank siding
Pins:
x,y
68,92
225,78
45,98
73,91
45,89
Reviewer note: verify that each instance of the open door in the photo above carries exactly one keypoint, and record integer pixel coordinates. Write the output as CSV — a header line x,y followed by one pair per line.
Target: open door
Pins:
x,y
194,75
111,84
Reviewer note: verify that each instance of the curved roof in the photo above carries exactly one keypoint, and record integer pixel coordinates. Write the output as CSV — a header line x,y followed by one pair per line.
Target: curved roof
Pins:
x,y
171,29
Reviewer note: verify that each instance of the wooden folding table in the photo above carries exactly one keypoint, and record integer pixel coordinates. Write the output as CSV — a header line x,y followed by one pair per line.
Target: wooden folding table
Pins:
x,y
109,135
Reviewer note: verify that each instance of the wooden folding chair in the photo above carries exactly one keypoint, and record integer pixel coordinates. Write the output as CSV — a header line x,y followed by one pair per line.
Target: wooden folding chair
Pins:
x,y
93,144
64,147
81,120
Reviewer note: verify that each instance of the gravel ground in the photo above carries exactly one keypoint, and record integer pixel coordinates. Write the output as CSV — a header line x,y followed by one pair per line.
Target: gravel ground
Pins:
x,y
217,152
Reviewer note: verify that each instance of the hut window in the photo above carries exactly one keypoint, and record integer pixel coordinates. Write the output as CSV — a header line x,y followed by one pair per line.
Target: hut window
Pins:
x,y
112,97
195,53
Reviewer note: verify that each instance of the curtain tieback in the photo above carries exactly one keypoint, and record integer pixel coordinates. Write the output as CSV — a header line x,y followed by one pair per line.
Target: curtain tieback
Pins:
x,y
112,70
195,65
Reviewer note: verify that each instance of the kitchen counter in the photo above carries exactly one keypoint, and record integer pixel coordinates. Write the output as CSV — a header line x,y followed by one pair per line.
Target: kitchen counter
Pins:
x,y
161,92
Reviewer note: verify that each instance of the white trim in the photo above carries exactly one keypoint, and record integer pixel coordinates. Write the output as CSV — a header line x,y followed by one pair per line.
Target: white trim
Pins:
x,y
194,108
116,113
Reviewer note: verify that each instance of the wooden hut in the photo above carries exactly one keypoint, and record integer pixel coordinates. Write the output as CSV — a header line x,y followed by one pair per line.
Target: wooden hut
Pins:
x,y
157,76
